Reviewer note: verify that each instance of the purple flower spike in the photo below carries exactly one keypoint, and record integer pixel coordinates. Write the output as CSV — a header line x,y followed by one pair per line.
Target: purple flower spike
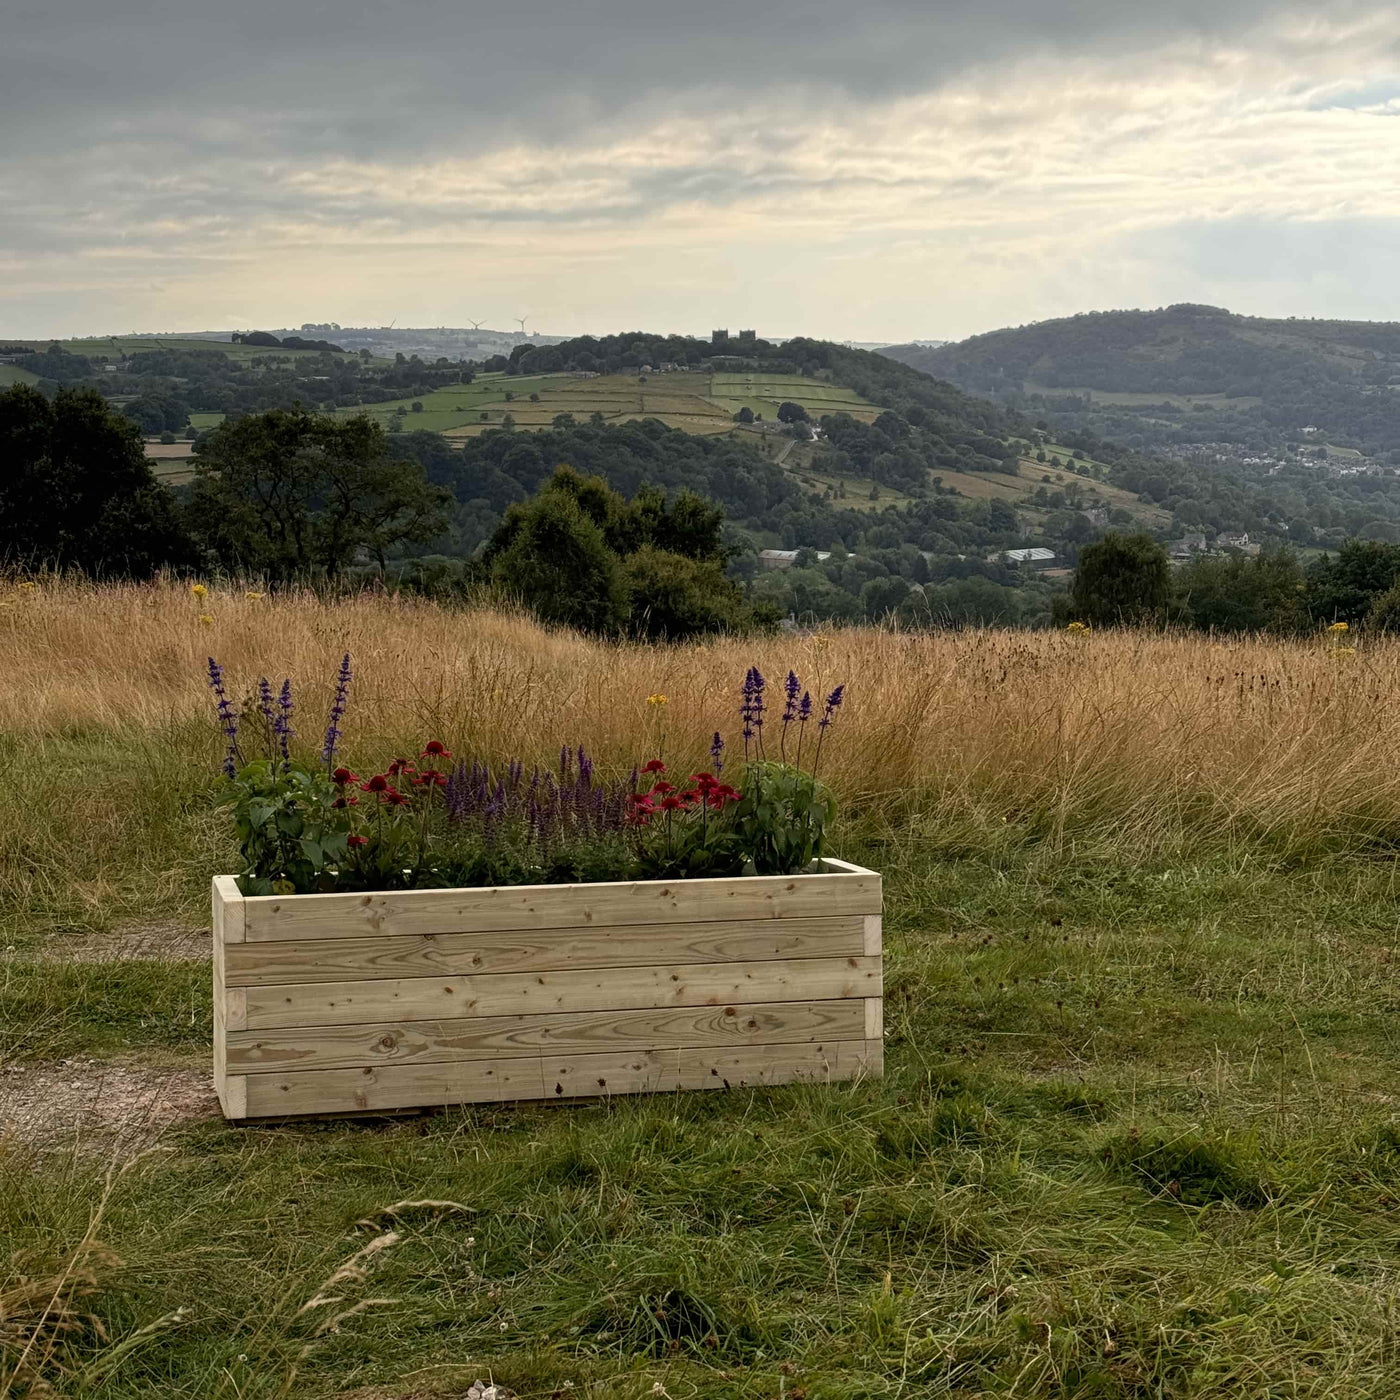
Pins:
x,y
282,724
833,703
716,754
342,693
228,718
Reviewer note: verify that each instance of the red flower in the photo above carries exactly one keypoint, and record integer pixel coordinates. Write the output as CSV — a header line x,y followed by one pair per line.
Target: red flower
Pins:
x,y
346,802
691,796
394,798
434,748
655,766
672,803
355,842
400,765
662,789
704,781
378,783
728,793
714,801
641,800
430,777
341,776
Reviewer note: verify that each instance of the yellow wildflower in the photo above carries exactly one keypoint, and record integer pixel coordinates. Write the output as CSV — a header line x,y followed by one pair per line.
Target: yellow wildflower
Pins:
x,y
254,597
1343,651
198,590
1076,629
205,620
657,700
1339,627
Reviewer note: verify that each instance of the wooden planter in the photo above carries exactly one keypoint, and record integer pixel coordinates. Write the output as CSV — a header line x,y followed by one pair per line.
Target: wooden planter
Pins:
x,y
355,1003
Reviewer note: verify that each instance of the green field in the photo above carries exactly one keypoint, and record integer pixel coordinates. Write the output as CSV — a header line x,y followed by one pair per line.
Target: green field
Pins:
x,y
697,402
98,346
12,374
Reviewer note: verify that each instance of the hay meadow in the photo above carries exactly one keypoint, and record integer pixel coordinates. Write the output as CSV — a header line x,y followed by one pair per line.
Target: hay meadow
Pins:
x,y
1137,1135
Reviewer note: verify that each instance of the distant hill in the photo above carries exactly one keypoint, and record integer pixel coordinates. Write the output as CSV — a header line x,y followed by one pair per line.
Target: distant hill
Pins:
x,y
1191,374
1287,430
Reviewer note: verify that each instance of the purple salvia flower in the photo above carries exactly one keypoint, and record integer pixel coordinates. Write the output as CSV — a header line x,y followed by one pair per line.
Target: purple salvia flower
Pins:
x,y
716,756
228,718
282,725
265,700
833,703
342,693
790,688
565,761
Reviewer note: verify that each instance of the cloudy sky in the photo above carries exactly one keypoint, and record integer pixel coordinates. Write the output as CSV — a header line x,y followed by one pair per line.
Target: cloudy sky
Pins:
x,y
884,170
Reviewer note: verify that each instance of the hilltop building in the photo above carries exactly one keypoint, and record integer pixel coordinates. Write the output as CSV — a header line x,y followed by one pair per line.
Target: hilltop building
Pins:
x,y
786,558
1036,558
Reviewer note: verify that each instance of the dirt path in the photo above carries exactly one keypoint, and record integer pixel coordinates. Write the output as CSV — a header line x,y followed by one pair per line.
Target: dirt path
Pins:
x,y
100,1105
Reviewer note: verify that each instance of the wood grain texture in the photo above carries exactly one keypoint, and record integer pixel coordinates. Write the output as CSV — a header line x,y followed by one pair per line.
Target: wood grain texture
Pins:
x,y
510,1037
546,950
230,909
427,912
607,989
546,1077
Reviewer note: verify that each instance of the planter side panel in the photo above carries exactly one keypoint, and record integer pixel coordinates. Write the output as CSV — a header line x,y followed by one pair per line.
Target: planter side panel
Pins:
x,y
365,1003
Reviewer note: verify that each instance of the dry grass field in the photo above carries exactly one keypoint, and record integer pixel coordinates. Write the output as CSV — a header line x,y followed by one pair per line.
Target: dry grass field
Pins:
x,y
1138,1137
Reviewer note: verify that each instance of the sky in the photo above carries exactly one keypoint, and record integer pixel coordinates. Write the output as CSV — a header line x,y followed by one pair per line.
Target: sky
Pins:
x,y
882,171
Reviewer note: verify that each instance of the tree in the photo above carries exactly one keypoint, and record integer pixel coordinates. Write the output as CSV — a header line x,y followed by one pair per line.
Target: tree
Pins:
x,y
791,412
744,415
556,562
674,597
1239,594
76,490
1342,589
295,495
1121,580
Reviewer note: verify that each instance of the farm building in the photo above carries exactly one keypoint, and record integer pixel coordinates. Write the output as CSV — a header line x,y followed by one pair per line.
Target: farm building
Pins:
x,y
786,558
1037,558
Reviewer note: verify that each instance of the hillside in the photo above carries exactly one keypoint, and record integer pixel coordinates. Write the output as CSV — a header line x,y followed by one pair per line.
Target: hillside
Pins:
x,y
1286,429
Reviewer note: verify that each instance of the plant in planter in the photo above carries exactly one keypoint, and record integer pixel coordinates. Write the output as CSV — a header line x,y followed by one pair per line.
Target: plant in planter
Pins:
x,y
445,931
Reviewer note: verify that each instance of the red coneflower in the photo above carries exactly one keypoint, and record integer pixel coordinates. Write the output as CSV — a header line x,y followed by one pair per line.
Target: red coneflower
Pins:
x,y
346,802
400,765
655,766
435,748
395,798
378,783
672,803
355,842
341,776
662,789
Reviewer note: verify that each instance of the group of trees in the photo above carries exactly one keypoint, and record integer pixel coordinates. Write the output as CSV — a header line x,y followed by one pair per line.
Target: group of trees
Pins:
x,y
285,495
1126,580
581,554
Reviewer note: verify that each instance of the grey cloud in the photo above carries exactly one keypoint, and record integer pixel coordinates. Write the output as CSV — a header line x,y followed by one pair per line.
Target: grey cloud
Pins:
x,y
369,78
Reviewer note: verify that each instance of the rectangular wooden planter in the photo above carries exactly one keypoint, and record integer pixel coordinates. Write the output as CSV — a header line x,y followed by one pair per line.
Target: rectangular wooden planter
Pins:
x,y
355,1003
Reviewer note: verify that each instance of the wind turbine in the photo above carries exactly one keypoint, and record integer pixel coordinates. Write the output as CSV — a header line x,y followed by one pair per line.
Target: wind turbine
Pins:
x,y
476,325
521,320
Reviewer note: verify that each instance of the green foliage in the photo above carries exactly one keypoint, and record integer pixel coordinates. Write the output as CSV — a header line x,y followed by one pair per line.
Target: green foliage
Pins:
x,y
553,557
1343,588
290,837
1121,581
294,495
582,555
76,490
1236,593
783,818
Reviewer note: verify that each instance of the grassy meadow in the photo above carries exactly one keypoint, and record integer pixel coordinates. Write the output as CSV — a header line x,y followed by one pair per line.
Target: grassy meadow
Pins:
x,y
1137,1135
700,403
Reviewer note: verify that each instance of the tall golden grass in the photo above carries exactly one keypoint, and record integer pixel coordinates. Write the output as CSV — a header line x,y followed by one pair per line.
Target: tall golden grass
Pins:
x,y
1141,735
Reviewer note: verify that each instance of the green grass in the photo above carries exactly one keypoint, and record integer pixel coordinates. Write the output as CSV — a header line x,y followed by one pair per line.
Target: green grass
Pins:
x,y
698,402
13,374
1135,1140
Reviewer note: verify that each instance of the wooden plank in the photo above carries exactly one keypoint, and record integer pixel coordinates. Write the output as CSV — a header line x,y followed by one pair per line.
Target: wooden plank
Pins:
x,y
546,950
873,935
874,1018
592,989
230,907
233,1097
398,913
407,1086
510,1037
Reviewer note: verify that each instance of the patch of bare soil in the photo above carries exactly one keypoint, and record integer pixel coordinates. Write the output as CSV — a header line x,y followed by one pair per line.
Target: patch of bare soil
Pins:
x,y
99,1104
158,941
